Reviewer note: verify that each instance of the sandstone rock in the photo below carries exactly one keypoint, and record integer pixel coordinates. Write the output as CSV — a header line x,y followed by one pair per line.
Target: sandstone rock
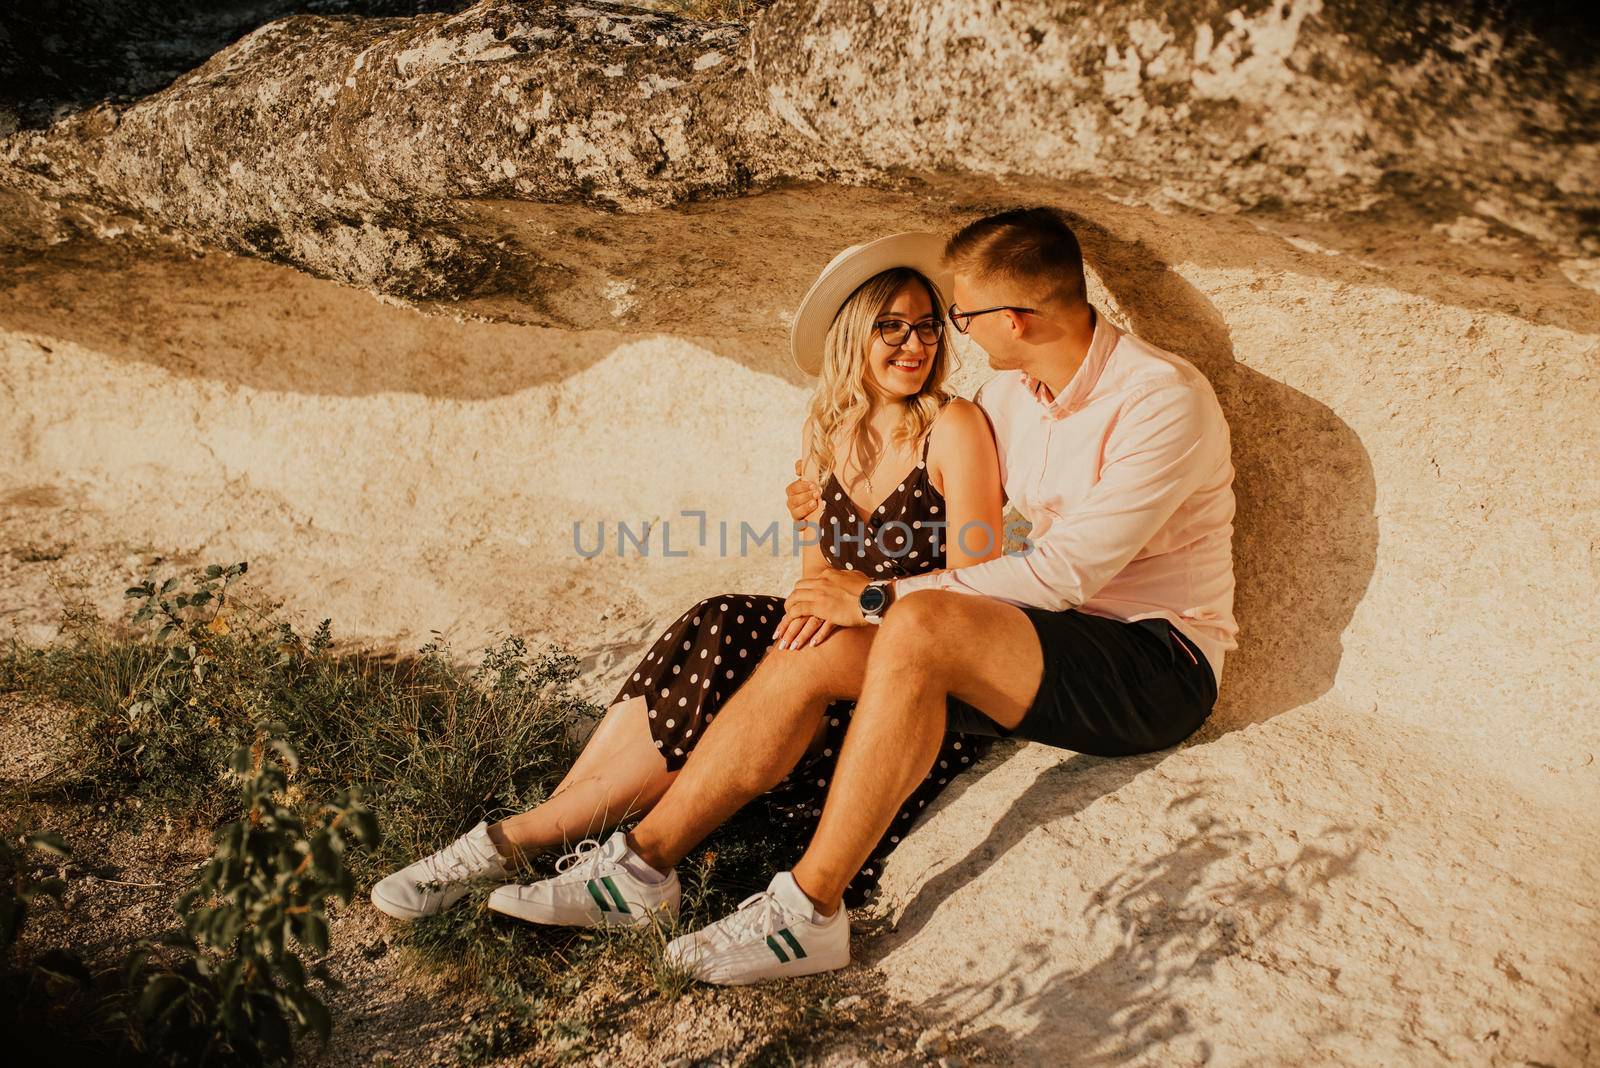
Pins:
x,y
1395,804
1381,848
344,145
932,1042
1322,105
337,144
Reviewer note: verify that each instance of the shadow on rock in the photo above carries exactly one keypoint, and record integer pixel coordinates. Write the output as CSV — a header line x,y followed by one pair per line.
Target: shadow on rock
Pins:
x,y
1174,921
1304,552
1305,533
1059,793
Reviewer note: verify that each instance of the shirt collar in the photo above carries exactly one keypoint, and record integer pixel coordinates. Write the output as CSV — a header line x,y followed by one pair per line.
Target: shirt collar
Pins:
x,y
1084,379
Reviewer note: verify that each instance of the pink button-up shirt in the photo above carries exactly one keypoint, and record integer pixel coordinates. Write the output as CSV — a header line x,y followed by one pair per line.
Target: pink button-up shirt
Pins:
x,y
1127,478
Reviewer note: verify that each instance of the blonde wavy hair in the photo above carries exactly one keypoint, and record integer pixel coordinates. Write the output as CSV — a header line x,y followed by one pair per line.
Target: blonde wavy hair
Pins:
x,y
841,400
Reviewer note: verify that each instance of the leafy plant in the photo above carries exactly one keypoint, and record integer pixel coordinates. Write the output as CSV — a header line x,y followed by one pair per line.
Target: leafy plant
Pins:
x,y
155,716
180,613
22,886
178,718
236,989
32,983
435,744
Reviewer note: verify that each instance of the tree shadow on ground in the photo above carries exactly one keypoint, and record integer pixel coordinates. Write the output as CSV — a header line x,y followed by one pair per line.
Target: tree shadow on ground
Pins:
x,y
1175,920
1058,793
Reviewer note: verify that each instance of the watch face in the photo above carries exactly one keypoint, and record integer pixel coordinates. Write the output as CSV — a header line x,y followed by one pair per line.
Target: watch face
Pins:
x,y
872,599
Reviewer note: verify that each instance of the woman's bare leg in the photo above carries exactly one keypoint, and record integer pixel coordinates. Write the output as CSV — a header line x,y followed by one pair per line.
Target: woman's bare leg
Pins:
x,y
619,775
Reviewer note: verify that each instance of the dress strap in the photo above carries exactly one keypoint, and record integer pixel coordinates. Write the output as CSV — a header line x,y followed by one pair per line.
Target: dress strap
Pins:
x,y
927,438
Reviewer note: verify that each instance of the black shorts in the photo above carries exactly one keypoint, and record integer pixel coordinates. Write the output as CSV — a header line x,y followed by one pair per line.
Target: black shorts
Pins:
x,y
1110,688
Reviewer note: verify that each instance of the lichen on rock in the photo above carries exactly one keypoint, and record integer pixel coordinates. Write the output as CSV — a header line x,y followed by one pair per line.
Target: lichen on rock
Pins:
x,y
341,144
1312,104
321,141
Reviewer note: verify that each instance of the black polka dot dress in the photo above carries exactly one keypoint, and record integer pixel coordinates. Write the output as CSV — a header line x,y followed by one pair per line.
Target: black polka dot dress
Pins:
x,y
713,647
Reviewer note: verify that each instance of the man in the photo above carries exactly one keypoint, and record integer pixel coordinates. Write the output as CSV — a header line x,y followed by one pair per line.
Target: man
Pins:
x,y
1107,636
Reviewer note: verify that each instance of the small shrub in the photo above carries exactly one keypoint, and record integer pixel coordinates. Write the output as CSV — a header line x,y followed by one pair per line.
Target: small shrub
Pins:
x,y
22,882
154,716
434,744
231,986
23,885
33,985
157,710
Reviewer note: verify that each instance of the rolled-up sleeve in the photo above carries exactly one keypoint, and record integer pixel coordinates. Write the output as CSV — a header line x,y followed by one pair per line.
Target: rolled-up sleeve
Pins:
x,y
1161,449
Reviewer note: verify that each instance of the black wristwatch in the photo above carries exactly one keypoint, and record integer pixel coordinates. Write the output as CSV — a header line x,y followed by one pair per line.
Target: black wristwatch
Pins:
x,y
876,597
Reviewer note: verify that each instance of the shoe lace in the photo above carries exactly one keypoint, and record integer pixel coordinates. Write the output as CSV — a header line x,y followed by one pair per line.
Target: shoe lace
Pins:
x,y
583,861
761,914
455,861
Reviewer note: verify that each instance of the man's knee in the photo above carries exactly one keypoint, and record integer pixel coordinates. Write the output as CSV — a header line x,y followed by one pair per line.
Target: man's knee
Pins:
x,y
918,617
910,646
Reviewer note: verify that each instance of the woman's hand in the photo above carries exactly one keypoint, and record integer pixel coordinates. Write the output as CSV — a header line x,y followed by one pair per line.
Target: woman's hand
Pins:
x,y
798,632
832,595
804,495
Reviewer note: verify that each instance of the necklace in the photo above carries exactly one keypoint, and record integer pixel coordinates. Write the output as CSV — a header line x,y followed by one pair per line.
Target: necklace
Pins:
x,y
866,476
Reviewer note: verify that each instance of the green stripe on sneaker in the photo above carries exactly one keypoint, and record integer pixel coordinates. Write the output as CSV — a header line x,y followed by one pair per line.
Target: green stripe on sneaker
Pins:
x,y
594,892
622,906
789,938
773,945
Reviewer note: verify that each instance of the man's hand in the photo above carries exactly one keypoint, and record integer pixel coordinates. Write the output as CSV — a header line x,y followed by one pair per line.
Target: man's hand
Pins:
x,y
797,632
803,495
833,595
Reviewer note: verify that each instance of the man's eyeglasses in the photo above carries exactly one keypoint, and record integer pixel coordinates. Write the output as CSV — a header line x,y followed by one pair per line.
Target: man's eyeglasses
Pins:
x,y
961,320
894,332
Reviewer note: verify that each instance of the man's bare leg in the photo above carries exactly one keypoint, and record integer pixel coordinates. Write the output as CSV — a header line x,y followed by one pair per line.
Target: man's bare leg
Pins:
x,y
932,644
757,738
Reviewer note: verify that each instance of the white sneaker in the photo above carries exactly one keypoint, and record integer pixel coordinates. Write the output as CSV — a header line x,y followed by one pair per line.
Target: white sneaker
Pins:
x,y
440,879
594,889
775,934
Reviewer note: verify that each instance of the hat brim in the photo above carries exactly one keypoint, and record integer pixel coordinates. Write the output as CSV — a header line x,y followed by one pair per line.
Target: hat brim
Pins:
x,y
921,252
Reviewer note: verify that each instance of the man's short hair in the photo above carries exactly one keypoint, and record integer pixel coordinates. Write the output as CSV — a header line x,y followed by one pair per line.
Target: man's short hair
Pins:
x,y
1032,249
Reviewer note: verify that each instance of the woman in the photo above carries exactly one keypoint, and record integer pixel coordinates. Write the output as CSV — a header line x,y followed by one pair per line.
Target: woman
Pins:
x,y
886,431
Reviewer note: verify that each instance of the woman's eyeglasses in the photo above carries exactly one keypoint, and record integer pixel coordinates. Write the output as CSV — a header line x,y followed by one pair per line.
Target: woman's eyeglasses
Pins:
x,y
961,320
894,332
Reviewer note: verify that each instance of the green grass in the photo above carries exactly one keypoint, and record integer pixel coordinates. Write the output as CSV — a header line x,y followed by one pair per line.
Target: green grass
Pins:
x,y
435,745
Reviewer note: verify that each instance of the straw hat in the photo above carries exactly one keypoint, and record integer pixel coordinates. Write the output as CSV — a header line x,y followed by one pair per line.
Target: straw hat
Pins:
x,y
845,273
